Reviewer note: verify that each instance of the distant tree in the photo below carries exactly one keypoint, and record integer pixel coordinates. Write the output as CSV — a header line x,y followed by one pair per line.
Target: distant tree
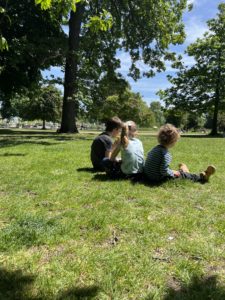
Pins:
x,y
128,106
157,110
43,104
97,29
201,88
175,117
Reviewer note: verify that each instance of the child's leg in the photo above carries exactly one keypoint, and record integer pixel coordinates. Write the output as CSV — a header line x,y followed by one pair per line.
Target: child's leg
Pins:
x,y
112,168
202,177
190,176
184,168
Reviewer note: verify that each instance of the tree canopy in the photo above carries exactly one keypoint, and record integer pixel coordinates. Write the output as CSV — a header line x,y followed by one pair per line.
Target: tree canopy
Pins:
x,y
201,88
44,103
35,40
128,106
97,30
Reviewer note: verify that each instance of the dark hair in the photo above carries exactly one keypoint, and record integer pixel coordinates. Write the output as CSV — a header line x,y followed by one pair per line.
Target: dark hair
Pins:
x,y
113,123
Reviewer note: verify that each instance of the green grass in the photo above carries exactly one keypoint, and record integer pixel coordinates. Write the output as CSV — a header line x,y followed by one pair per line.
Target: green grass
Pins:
x,y
68,233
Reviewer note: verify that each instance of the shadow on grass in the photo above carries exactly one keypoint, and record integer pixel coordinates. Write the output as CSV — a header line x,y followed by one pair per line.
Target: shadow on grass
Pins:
x,y
11,143
15,285
87,169
12,154
208,136
10,138
105,177
79,293
199,289
140,179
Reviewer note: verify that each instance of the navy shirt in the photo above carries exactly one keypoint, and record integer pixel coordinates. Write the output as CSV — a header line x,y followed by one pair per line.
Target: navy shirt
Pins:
x,y
100,145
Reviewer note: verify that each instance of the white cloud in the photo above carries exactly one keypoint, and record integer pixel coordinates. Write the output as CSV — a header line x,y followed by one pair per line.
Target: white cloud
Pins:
x,y
198,3
191,2
194,28
125,62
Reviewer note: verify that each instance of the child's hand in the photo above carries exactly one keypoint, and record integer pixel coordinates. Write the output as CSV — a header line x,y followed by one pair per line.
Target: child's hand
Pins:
x,y
116,142
176,173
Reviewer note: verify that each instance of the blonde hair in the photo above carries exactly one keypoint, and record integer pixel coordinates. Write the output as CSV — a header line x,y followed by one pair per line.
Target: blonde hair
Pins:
x,y
131,125
168,135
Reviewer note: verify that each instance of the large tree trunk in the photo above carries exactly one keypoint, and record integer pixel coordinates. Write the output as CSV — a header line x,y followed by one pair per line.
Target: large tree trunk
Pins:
x,y
70,103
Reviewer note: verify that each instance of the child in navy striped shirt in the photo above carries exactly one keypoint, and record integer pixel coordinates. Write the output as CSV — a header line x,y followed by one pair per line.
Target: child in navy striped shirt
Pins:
x,y
158,160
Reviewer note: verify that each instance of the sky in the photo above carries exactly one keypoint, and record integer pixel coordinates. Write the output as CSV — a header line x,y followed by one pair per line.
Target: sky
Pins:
x,y
195,26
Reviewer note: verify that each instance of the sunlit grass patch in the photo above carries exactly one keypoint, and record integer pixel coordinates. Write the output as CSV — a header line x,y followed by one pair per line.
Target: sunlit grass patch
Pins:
x,y
69,233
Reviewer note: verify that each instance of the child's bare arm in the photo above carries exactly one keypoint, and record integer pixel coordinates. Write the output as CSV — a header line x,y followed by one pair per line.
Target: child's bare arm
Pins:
x,y
124,136
115,149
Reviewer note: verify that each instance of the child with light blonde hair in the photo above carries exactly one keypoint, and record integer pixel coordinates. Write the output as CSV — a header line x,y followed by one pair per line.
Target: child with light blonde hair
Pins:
x,y
158,159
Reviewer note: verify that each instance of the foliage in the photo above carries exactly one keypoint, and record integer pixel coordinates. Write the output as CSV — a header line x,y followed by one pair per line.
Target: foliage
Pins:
x,y
115,25
175,117
3,41
184,120
201,88
36,42
43,104
128,106
157,110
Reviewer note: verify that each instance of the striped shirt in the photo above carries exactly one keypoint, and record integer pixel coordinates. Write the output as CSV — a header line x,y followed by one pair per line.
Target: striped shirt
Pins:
x,y
157,164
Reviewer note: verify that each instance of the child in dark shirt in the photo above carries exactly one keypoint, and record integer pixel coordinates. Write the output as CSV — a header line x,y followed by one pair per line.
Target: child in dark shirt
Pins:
x,y
102,145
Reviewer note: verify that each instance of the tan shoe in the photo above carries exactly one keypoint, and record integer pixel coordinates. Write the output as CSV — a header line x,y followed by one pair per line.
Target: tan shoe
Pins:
x,y
183,168
208,172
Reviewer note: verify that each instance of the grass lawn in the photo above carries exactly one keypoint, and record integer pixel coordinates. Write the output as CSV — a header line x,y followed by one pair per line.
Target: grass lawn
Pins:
x,y
68,233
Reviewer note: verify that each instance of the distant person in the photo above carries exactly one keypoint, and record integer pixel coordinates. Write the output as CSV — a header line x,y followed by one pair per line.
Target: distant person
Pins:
x,y
132,154
102,145
158,159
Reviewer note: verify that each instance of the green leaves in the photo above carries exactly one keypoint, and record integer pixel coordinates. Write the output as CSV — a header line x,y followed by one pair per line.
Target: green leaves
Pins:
x,y
103,22
201,88
45,4
3,44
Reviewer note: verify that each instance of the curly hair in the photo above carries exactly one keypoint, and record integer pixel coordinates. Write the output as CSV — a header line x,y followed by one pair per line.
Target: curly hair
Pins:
x,y
168,135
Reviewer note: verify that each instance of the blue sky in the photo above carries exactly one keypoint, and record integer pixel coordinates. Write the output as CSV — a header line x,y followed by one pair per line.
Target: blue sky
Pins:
x,y
195,26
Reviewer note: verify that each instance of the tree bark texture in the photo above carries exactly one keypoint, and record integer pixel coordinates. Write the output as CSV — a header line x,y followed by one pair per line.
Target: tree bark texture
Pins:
x,y
70,103
217,97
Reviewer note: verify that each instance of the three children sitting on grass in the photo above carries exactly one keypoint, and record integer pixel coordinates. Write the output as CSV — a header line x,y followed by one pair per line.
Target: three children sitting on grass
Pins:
x,y
156,167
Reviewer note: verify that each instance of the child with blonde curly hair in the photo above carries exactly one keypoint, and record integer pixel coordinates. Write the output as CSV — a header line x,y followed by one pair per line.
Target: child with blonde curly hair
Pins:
x,y
158,159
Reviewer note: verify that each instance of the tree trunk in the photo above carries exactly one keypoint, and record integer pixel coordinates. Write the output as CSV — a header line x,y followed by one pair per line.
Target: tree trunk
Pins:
x,y
70,103
43,125
217,97
215,114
